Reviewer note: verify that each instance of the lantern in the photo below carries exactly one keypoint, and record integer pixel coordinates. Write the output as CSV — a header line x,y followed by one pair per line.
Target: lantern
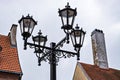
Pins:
x,y
67,17
27,25
77,37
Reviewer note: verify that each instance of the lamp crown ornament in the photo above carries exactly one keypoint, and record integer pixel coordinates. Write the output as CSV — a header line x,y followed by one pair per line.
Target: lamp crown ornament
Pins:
x,y
77,27
39,32
67,6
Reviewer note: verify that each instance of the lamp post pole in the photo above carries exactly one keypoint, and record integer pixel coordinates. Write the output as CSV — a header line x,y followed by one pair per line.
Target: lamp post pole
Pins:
x,y
52,62
53,53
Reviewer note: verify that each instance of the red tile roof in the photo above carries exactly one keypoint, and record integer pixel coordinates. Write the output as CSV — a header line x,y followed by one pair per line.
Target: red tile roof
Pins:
x,y
9,61
96,73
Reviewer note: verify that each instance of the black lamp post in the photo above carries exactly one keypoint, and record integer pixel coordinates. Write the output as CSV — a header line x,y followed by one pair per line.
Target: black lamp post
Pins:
x,y
53,53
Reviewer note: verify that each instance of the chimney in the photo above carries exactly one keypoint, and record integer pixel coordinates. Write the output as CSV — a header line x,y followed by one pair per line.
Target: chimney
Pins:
x,y
12,35
99,49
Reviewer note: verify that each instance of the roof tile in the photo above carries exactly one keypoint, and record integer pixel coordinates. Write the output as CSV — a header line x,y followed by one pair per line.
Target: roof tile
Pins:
x,y
9,60
97,73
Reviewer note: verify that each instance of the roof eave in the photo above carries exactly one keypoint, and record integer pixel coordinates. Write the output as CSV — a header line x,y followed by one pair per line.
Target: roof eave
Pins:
x,y
19,73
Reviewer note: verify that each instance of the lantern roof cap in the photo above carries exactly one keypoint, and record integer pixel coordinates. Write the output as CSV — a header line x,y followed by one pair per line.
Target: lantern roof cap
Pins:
x,y
28,17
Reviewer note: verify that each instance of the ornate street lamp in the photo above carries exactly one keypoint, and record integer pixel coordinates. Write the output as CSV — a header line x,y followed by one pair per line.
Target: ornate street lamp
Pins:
x,y
27,25
53,53
39,40
77,37
67,17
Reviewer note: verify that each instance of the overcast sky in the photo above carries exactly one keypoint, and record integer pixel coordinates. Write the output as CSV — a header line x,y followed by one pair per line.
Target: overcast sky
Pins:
x,y
91,14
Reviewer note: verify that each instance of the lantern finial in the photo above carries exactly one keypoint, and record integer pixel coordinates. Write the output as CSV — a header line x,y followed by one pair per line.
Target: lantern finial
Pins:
x,y
67,6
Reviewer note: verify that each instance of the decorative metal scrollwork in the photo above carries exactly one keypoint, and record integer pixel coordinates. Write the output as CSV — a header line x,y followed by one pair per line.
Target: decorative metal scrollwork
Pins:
x,y
45,55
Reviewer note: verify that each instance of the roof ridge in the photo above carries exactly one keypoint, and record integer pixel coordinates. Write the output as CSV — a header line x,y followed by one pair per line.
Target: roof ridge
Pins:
x,y
98,66
3,35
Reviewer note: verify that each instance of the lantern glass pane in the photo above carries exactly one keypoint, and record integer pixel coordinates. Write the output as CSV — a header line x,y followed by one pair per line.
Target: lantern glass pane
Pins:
x,y
69,20
78,41
27,22
69,12
73,38
76,33
32,25
39,39
21,26
82,38
38,49
26,25
73,41
76,37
